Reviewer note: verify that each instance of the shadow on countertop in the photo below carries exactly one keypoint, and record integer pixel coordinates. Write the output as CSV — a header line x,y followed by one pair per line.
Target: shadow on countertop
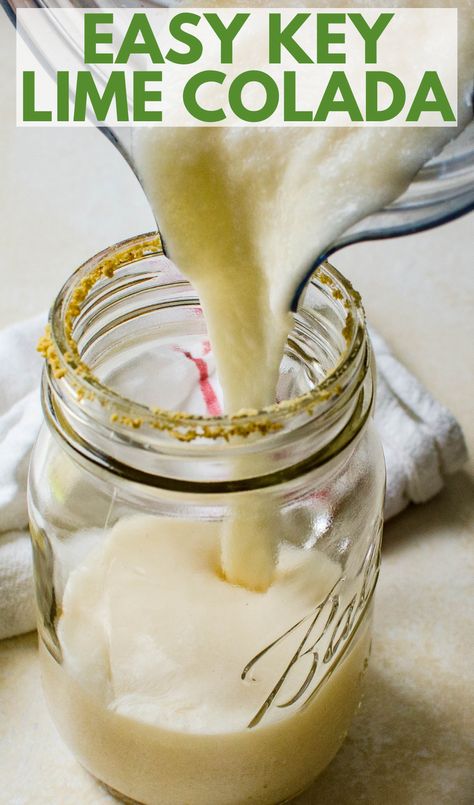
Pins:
x,y
454,505
396,753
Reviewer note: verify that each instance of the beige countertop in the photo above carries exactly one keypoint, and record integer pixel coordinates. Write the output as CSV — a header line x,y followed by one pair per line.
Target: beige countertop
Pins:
x,y
64,194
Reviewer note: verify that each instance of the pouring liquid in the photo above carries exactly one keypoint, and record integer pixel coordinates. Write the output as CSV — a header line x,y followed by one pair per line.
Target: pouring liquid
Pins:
x,y
244,210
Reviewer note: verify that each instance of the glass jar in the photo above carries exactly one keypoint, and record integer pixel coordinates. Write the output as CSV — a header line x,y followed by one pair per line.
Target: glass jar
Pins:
x,y
170,684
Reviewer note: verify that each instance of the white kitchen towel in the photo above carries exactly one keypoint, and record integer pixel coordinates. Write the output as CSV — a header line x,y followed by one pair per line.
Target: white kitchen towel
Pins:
x,y
423,444
20,419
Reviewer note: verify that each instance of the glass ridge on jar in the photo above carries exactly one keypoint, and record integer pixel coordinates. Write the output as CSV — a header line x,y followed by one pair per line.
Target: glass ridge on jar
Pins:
x,y
116,445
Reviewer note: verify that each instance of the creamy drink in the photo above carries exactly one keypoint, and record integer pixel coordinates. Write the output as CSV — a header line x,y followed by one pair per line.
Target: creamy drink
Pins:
x,y
154,642
174,634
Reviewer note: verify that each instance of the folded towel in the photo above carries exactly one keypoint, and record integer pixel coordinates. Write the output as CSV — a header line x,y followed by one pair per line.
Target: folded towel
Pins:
x,y
423,444
20,419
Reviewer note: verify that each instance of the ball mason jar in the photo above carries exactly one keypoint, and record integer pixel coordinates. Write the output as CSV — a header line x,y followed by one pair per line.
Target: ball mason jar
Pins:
x,y
167,682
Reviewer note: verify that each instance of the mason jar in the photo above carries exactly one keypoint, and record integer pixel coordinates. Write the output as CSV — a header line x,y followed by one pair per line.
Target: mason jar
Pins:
x,y
170,683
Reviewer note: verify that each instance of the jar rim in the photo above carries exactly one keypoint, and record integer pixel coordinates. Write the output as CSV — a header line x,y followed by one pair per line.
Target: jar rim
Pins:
x,y
65,364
